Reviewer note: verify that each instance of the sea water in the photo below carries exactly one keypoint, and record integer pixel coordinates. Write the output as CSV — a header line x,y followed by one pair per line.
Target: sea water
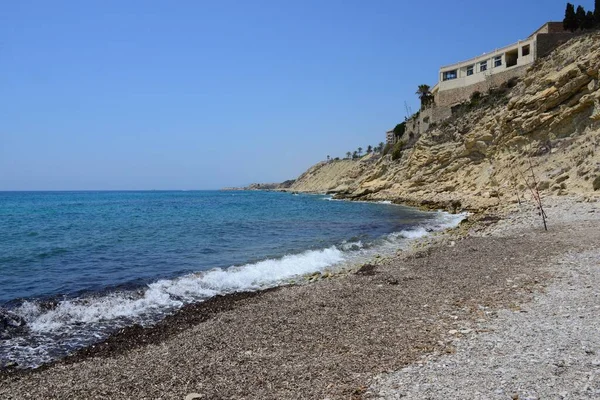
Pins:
x,y
77,266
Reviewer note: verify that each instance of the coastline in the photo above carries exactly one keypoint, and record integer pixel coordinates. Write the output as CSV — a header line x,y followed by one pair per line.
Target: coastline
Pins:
x,y
133,336
329,338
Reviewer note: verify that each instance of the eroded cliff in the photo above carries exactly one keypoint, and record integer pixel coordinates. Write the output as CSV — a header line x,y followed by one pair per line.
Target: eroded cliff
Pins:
x,y
485,153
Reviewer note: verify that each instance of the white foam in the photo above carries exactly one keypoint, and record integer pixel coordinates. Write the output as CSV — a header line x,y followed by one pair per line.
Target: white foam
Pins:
x,y
165,295
348,246
414,234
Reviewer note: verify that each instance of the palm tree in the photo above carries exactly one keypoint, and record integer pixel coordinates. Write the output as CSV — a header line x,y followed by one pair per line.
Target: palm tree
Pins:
x,y
348,154
328,158
355,154
359,150
380,147
369,149
425,95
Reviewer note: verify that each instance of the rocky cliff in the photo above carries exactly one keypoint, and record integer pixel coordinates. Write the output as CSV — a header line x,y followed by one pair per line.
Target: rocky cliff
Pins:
x,y
547,126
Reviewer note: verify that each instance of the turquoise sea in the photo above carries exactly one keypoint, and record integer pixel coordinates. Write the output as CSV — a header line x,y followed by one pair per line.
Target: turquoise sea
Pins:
x,y
77,266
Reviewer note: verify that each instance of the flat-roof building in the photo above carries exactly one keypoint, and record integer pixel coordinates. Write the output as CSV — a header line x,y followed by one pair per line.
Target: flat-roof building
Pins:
x,y
456,82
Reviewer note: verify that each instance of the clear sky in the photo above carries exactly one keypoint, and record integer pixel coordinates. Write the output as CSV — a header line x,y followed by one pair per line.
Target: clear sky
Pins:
x,y
205,94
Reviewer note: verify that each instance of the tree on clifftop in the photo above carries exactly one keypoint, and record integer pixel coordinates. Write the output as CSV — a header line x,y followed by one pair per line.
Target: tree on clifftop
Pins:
x,y
399,129
570,21
425,95
369,149
348,154
597,11
580,17
359,151
589,21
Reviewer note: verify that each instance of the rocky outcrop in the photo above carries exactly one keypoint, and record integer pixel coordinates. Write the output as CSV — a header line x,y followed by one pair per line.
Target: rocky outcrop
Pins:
x,y
547,126
334,176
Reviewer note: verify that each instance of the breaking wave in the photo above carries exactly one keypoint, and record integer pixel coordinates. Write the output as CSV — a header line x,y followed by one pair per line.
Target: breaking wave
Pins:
x,y
34,332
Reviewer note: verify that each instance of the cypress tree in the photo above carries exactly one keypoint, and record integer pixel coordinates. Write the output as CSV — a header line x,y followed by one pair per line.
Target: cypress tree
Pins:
x,y
580,17
589,21
570,21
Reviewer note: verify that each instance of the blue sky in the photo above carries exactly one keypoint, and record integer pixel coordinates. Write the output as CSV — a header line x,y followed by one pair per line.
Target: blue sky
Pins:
x,y
205,94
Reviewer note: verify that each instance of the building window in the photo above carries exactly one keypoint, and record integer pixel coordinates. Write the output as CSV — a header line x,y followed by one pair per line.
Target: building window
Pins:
x,y
448,75
497,61
470,70
525,50
483,66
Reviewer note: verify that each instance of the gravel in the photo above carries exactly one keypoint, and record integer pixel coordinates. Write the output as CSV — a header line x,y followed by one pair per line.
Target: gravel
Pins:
x,y
545,349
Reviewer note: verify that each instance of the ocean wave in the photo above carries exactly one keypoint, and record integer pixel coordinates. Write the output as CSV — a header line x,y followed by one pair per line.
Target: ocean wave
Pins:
x,y
168,294
52,332
74,323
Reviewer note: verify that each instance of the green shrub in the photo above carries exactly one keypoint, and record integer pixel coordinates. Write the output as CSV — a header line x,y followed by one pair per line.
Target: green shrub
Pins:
x,y
397,151
399,130
387,149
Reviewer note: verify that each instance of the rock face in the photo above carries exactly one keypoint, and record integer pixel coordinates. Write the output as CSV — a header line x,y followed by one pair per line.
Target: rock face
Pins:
x,y
549,123
334,176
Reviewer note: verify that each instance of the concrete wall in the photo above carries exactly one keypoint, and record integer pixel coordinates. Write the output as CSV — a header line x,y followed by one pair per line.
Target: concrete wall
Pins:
x,y
548,42
555,27
417,126
433,115
452,97
550,27
413,126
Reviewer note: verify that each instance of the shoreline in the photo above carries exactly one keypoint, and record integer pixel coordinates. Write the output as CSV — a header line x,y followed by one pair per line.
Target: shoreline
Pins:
x,y
136,336
354,305
126,337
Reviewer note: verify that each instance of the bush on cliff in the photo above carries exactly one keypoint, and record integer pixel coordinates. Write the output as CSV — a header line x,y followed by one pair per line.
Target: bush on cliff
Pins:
x,y
399,130
397,151
387,149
